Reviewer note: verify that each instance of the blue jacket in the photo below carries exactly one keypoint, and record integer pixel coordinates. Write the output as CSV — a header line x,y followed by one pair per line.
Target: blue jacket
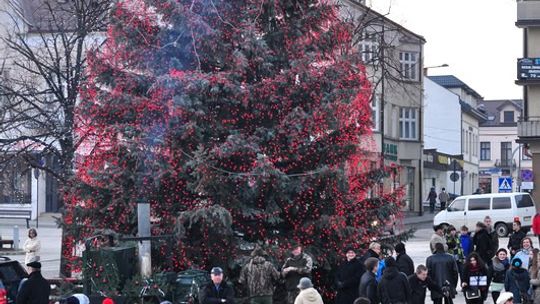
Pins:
x,y
516,280
466,244
382,266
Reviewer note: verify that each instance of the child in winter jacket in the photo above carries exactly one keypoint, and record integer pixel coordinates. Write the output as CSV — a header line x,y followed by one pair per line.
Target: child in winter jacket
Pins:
x,y
466,241
517,281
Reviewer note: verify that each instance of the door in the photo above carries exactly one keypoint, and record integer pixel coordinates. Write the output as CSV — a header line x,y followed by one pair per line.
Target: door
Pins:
x,y
455,213
477,210
525,208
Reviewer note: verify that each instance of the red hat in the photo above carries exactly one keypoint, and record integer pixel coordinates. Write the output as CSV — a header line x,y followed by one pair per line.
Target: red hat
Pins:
x,y
107,301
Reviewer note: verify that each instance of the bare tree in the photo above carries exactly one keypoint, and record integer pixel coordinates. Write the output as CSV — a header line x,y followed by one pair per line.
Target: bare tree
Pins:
x,y
44,47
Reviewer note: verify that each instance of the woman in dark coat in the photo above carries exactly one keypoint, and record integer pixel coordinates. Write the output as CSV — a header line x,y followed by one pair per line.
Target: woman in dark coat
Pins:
x,y
498,268
348,278
475,276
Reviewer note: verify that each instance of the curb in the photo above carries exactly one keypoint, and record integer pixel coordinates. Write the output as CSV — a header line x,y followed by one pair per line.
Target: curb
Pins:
x,y
11,252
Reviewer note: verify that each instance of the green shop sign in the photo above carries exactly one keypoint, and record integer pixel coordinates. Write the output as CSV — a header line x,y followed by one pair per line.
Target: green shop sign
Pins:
x,y
390,151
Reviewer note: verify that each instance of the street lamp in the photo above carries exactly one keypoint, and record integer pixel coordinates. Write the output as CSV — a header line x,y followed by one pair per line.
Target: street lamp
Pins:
x,y
444,65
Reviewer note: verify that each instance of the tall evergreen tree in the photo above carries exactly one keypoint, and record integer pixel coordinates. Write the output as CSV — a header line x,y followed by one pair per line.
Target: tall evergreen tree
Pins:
x,y
240,122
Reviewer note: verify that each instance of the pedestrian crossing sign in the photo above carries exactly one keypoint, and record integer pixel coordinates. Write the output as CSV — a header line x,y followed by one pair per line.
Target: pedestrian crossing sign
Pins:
x,y
505,184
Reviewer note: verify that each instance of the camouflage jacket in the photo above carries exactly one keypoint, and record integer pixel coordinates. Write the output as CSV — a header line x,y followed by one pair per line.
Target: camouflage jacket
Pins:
x,y
259,276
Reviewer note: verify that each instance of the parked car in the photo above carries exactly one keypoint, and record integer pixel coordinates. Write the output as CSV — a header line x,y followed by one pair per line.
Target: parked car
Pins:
x,y
503,208
11,274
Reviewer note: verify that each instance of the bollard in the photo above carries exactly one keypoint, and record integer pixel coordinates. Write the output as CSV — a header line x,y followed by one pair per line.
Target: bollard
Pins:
x,y
16,237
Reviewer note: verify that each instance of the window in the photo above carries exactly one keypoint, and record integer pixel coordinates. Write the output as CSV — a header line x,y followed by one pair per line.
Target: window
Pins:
x,y
485,150
479,204
501,203
506,154
375,112
369,47
524,201
508,117
457,205
407,123
408,62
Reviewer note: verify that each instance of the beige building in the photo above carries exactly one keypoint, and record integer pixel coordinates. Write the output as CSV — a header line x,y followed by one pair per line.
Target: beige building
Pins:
x,y
500,155
528,18
394,59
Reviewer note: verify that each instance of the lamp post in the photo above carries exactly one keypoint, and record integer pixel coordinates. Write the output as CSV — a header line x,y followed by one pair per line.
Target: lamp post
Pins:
x,y
444,65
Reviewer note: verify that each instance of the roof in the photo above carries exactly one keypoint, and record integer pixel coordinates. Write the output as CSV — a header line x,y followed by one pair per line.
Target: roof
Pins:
x,y
365,8
451,81
476,113
493,108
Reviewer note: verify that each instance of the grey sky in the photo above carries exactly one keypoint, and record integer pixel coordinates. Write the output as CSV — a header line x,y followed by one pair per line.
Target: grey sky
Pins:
x,y
477,38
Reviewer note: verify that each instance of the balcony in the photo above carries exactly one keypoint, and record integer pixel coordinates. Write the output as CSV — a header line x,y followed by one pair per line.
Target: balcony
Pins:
x,y
529,128
528,13
505,163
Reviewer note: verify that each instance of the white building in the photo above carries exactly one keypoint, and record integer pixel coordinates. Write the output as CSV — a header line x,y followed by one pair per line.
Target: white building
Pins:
x,y
500,154
468,120
442,138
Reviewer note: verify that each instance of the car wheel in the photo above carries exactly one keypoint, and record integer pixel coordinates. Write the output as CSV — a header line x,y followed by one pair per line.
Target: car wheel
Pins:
x,y
502,229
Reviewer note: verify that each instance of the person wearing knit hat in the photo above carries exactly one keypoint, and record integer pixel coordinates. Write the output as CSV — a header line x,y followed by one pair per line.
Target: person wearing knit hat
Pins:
x,y
107,301
517,280
308,294
258,277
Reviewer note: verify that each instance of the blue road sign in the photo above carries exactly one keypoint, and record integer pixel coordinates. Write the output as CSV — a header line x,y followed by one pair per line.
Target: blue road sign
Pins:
x,y
505,184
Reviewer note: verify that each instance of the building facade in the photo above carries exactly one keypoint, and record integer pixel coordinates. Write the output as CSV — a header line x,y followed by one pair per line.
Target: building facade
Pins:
x,y
393,56
528,76
500,155
443,161
471,115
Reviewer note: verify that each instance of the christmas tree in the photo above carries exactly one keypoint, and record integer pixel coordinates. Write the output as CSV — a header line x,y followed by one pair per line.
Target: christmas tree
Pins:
x,y
240,122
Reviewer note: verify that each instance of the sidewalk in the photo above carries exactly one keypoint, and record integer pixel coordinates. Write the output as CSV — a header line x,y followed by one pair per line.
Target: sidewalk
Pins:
x,y
412,218
49,235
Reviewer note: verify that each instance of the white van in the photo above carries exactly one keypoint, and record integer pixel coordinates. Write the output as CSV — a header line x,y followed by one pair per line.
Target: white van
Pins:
x,y
503,208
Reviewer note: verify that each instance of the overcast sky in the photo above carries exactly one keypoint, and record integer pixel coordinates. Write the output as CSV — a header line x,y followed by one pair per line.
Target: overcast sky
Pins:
x,y
478,39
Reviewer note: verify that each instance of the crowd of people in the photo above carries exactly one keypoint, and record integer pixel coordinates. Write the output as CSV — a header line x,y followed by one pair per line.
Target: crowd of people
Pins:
x,y
475,260
470,262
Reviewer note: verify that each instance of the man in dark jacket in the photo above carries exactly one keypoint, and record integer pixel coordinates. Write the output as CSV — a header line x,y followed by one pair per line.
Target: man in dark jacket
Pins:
x,y
493,235
514,241
482,243
368,282
217,291
35,290
394,287
441,268
259,276
297,266
348,278
419,282
404,262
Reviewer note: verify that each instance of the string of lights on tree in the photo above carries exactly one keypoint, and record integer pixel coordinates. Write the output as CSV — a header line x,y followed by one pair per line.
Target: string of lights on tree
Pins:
x,y
240,121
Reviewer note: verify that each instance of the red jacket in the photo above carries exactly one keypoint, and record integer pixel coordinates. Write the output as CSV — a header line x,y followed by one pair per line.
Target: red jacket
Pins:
x,y
536,224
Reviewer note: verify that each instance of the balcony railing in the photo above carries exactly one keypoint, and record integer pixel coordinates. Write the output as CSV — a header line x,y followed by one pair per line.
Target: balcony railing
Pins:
x,y
528,12
505,163
529,127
